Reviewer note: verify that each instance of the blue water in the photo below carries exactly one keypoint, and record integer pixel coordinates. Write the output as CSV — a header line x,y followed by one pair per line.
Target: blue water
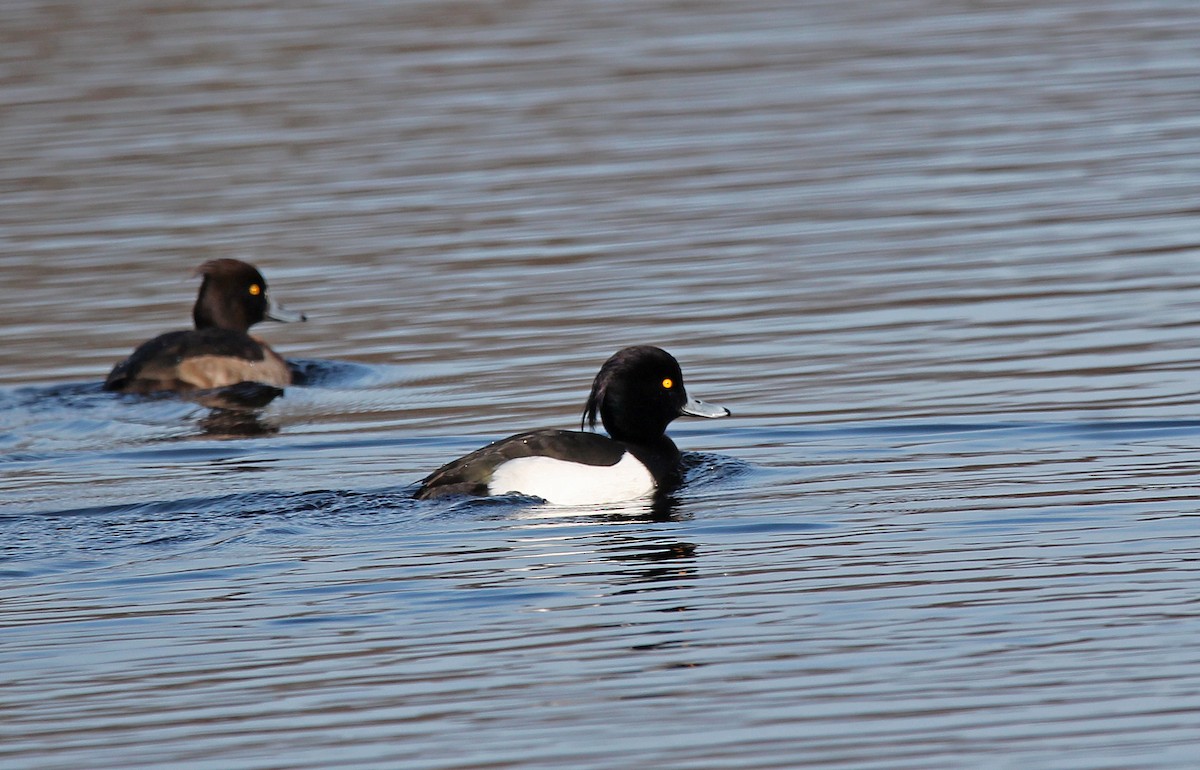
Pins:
x,y
941,263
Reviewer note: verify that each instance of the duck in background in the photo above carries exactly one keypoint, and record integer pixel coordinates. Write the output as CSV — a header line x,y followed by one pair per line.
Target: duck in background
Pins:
x,y
219,353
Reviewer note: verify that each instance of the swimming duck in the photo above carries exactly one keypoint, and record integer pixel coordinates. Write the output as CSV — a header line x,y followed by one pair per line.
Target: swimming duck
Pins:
x,y
636,394
219,352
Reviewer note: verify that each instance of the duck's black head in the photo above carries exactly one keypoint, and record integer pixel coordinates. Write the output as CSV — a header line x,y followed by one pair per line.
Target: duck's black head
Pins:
x,y
233,296
638,392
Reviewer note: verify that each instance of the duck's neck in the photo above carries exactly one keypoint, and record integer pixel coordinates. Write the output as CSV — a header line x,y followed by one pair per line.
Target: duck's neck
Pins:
x,y
660,456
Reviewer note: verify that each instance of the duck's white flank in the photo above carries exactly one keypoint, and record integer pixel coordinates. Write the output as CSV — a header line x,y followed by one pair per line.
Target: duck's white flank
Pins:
x,y
566,483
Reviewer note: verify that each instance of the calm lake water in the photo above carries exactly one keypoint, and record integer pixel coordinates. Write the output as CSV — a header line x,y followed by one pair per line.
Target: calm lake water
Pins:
x,y
941,259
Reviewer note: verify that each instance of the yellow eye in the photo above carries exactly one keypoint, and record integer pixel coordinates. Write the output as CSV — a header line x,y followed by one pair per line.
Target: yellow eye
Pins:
x,y
255,290
668,383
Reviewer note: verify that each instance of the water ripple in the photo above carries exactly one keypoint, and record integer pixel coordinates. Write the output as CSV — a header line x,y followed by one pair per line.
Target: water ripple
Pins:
x,y
938,260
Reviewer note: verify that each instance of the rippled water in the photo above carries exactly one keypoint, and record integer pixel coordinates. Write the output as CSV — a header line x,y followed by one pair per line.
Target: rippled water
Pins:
x,y
940,260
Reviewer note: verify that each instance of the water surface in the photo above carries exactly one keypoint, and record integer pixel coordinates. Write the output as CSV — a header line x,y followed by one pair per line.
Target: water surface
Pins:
x,y
939,259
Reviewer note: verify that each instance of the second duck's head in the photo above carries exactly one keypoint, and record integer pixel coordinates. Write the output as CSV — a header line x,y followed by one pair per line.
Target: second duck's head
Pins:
x,y
233,295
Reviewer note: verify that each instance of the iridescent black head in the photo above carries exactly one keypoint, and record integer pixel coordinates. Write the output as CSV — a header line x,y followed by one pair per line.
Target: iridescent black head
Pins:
x,y
638,392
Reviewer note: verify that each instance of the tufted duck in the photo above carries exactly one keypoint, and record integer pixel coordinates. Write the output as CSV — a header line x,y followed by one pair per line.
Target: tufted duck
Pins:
x,y
219,352
636,394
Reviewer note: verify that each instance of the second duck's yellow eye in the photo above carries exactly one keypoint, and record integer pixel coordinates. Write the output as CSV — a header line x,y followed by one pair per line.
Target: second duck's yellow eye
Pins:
x,y
668,383
255,290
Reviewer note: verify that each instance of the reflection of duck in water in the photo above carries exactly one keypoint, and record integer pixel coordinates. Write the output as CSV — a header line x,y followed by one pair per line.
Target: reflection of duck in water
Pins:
x,y
637,393
234,423
219,352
